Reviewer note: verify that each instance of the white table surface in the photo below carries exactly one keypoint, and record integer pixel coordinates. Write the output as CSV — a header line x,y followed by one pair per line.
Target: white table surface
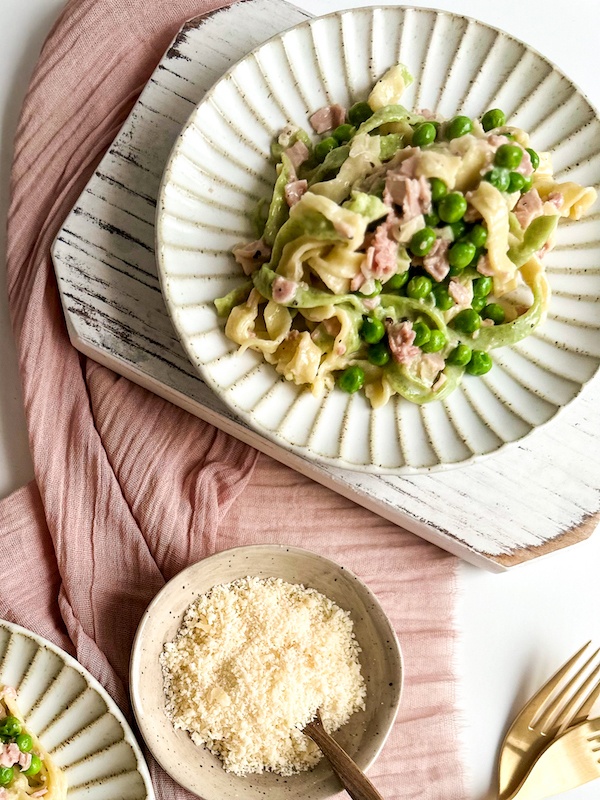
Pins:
x,y
516,627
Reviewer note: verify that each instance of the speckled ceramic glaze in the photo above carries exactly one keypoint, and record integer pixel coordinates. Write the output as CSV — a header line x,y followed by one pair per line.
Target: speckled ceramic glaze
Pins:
x,y
220,168
362,737
74,718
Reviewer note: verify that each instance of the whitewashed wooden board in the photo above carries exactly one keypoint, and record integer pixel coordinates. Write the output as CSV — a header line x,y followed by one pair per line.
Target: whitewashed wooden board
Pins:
x,y
525,502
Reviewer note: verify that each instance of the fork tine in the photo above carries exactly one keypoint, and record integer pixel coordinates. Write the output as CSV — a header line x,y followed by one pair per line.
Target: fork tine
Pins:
x,y
551,684
582,712
559,710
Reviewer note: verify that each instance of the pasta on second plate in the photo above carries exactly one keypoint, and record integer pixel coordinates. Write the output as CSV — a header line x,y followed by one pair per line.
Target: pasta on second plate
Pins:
x,y
399,249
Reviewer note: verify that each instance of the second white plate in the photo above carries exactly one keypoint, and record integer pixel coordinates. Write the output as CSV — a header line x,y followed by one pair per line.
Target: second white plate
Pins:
x,y
74,718
220,168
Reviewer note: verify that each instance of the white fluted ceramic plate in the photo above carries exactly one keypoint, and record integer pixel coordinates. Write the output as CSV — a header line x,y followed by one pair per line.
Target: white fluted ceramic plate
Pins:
x,y
75,719
220,168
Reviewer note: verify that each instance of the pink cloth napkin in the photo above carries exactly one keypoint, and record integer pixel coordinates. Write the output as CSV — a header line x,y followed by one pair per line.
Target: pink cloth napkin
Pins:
x,y
129,489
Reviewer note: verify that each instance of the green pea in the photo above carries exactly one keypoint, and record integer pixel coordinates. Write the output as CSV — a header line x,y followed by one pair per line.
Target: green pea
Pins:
x,y
482,286
478,303
422,242
419,287
438,189
372,330
396,281
494,118
359,113
6,776
24,742
478,235
527,185
458,126
435,343
34,767
423,334
461,254
535,159
458,229
379,354
498,177
516,181
452,207
432,219
467,321
495,312
324,147
10,726
508,156
461,355
442,299
343,133
479,364
351,379
424,134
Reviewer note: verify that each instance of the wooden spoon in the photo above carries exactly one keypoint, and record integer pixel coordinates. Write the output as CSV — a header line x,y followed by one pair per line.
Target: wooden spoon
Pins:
x,y
353,779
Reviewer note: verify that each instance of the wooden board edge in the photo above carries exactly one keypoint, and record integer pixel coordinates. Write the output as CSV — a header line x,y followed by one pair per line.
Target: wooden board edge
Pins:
x,y
574,535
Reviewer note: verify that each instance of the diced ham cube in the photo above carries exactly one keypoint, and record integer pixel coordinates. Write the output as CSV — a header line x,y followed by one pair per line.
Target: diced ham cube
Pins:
x,y
328,118
461,294
250,256
400,338
471,214
409,166
283,290
413,194
436,261
385,252
497,139
294,191
556,199
297,153
484,267
529,207
525,167
426,113
9,754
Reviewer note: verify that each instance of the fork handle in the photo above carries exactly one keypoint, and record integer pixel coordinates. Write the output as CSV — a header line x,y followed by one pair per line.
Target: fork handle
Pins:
x,y
353,779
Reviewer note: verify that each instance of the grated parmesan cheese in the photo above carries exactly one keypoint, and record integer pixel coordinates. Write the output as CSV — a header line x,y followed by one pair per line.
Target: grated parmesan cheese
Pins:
x,y
250,665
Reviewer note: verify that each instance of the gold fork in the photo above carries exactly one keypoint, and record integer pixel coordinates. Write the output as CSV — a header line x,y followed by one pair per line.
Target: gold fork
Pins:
x,y
562,702
570,760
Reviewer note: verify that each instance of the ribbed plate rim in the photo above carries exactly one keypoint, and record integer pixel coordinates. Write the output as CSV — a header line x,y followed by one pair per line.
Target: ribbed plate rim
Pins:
x,y
69,661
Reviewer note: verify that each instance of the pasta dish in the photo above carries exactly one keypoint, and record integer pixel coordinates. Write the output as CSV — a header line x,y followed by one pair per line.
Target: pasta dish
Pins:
x,y
398,249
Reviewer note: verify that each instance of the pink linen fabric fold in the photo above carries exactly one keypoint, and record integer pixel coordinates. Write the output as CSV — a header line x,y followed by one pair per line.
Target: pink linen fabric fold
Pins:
x,y
129,489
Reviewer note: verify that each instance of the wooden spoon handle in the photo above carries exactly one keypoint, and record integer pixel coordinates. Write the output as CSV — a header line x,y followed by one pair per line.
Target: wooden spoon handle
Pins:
x,y
354,780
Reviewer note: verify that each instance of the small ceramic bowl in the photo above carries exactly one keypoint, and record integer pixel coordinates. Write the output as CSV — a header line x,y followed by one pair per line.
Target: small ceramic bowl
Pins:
x,y
362,737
